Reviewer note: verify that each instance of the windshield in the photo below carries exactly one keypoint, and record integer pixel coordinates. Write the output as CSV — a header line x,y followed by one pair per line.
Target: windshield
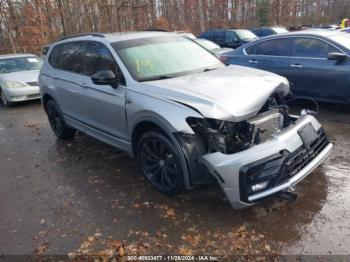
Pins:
x,y
245,34
10,65
164,57
280,30
207,44
342,39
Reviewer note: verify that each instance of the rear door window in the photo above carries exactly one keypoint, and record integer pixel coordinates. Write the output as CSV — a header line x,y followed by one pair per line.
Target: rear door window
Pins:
x,y
275,47
311,48
68,57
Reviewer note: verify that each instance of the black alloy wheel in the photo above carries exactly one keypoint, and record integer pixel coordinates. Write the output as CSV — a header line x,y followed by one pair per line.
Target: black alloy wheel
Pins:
x,y
160,163
58,126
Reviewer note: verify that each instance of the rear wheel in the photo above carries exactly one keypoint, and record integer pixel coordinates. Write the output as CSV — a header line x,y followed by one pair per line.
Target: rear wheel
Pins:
x,y
161,163
58,126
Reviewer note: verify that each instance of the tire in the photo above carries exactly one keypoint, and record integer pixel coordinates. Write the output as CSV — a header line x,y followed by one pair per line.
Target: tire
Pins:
x,y
160,163
4,100
58,126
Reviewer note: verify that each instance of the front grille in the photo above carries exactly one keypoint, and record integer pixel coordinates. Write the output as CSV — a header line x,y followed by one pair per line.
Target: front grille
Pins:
x,y
301,158
32,83
33,96
279,168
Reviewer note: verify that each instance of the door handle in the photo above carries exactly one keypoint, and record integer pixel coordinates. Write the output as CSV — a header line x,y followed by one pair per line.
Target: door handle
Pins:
x,y
296,65
84,85
54,76
253,61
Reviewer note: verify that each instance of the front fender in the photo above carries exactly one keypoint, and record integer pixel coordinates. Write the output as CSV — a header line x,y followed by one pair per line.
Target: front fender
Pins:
x,y
168,115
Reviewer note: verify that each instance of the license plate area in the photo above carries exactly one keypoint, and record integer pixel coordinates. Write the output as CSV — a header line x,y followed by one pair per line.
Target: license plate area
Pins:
x,y
308,135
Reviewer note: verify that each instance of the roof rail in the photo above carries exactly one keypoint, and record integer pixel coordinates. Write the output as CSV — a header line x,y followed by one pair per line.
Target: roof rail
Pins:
x,y
85,34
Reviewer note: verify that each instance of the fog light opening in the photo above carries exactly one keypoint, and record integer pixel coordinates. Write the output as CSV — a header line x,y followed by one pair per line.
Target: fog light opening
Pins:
x,y
260,186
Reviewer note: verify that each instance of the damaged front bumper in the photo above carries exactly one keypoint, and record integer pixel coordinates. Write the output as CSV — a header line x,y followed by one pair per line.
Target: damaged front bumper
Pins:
x,y
249,176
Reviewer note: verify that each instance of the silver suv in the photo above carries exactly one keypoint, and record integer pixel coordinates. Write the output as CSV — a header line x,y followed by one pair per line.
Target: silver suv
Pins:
x,y
189,119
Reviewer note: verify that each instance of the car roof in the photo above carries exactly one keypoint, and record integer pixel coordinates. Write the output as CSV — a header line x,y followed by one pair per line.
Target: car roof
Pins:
x,y
118,36
316,32
310,32
121,36
15,55
229,29
267,27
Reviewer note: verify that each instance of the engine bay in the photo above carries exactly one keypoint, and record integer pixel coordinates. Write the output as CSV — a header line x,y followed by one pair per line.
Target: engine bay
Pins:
x,y
230,137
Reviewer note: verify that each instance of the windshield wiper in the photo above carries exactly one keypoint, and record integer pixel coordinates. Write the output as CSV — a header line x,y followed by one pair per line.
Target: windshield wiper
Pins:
x,y
209,69
161,77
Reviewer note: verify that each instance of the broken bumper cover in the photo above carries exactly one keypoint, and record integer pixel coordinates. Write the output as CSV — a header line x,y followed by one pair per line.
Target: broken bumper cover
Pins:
x,y
271,166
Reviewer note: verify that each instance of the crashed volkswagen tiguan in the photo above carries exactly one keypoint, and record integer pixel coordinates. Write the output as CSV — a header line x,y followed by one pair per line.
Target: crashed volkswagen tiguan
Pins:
x,y
189,119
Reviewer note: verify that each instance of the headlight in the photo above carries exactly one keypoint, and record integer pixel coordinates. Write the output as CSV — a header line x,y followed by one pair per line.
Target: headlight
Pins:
x,y
225,137
14,84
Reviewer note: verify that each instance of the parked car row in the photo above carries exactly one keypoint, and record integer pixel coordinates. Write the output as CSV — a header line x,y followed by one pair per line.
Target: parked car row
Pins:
x,y
190,119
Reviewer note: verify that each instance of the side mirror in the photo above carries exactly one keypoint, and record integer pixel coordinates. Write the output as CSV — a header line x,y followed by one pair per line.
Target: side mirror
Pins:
x,y
105,77
337,56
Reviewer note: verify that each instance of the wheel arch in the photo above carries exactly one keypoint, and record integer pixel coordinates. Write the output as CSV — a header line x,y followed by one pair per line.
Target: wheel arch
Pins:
x,y
45,98
147,124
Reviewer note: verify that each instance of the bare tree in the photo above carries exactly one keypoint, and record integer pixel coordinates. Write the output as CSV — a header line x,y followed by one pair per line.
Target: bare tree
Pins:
x,y
26,25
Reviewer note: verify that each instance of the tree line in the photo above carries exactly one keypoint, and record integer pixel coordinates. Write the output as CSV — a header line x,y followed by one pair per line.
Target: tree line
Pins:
x,y
27,25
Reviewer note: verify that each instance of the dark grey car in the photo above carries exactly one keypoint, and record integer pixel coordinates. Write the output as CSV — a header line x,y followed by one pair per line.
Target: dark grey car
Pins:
x,y
316,62
267,31
231,38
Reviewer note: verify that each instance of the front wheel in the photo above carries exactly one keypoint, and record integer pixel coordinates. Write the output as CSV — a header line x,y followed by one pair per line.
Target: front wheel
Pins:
x,y
160,162
4,99
58,126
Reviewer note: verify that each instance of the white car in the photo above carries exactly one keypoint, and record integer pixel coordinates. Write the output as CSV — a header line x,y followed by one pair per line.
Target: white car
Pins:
x,y
19,78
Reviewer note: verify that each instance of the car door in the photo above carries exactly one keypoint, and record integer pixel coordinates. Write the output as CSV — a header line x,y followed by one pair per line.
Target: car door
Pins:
x,y
270,55
67,65
219,38
103,105
312,74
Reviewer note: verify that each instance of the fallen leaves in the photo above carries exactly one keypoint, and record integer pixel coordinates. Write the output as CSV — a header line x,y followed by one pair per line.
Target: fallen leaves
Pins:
x,y
32,125
192,239
41,249
167,212
185,251
95,180
114,248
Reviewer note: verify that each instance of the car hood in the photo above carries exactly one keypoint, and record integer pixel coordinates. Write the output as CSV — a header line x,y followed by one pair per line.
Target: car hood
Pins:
x,y
22,76
232,93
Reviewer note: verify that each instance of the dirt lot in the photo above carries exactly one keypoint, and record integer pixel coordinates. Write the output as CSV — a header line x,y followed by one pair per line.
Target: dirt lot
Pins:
x,y
83,197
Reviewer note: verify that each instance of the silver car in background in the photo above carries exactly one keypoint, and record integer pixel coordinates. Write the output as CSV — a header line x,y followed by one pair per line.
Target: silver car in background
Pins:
x,y
212,47
19,78
189,119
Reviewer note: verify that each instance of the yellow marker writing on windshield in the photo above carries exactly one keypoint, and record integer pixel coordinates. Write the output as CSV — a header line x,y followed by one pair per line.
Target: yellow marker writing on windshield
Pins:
x,y
143,63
